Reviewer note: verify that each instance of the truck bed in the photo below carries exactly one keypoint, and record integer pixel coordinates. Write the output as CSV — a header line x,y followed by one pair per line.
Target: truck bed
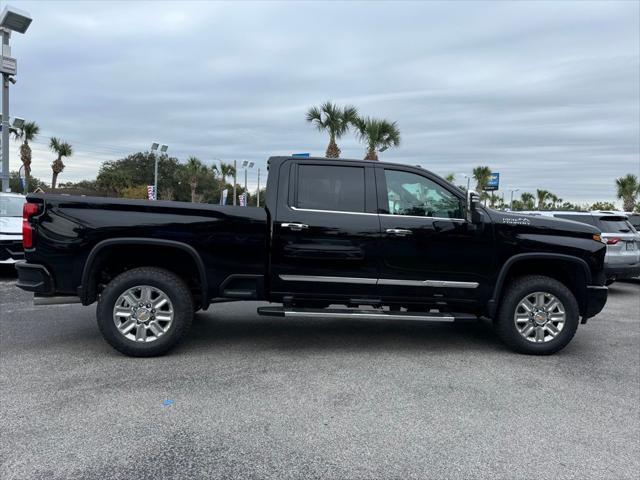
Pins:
x,y
229,239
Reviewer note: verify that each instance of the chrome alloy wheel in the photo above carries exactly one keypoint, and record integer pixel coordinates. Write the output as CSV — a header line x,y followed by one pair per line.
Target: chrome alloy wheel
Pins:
x,y
143,313
539,317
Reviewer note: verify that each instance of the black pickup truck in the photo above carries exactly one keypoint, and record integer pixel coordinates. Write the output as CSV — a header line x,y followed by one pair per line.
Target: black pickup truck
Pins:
x,y
337,238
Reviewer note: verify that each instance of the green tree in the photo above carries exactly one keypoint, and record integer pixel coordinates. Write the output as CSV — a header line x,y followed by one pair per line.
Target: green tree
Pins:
x,y
542,196
16,185
450,177
377,135
628,190
195,171
602,206
138,169
333,119
226,170
528,201
25,134
61,149
482,176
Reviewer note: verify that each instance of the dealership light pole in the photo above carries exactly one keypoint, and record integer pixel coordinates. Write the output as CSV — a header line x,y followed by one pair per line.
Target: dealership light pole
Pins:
x,y
511,203
11,19
154,149
246,165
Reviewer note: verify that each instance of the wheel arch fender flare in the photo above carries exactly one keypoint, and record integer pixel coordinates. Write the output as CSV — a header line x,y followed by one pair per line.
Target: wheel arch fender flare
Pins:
x,y
493,303
84,292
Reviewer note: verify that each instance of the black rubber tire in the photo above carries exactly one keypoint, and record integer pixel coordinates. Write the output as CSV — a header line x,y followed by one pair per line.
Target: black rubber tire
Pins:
x,y
164,280
519,288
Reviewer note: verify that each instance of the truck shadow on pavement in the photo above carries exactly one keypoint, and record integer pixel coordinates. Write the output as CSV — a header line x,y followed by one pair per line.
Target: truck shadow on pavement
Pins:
x,y
293,334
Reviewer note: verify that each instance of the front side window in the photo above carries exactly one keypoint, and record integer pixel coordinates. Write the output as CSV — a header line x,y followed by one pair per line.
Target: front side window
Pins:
x,y
415,195
331,187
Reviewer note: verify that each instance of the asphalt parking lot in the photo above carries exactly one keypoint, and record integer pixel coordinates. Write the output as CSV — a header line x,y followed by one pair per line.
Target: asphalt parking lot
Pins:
x,y
252,397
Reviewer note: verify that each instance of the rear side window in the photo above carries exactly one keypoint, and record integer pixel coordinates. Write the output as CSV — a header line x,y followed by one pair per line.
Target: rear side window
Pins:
x,y
331,187
588,219
615,225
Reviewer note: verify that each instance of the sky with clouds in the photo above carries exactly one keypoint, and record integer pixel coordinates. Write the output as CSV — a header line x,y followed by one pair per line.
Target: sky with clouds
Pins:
x,y
546,93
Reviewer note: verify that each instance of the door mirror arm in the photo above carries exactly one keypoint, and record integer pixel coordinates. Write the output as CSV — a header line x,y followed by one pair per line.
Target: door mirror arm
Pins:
x,y
472,212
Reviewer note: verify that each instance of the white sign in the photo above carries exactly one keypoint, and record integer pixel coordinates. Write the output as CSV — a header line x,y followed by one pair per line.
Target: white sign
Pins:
x,y
9,66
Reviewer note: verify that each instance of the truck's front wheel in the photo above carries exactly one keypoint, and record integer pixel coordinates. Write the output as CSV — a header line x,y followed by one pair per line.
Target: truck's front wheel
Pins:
x,y
144,312
538,315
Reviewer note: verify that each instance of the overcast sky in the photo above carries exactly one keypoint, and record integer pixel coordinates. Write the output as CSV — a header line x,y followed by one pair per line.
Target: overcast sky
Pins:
x,y
546,93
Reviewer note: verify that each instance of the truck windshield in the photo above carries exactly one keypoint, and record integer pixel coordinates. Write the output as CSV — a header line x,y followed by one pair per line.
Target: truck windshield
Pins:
x,y
615,225
11,206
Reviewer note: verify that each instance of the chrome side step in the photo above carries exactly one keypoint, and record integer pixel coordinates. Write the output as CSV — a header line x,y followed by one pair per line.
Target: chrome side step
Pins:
x,y
55,300
364,314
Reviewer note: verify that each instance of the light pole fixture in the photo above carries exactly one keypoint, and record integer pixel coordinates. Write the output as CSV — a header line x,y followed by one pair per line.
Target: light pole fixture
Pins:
x,y
11,20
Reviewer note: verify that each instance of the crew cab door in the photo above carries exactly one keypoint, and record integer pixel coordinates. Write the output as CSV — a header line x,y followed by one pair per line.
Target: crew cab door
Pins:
x,y
429,251
325,231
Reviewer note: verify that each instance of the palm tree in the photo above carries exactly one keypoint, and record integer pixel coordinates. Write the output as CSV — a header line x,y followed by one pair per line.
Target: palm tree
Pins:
x,y
450,177
27,133
62,149
542,196
628,190
335,120
482,176
226,170
195,170
528,200
378,135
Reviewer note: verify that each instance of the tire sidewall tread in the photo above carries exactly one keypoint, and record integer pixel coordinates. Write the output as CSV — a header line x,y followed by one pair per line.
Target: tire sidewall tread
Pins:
x,y
170,284
506,329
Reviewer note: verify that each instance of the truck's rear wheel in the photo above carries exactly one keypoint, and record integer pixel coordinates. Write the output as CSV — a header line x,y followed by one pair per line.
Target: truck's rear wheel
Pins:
x,y
144,312
538,315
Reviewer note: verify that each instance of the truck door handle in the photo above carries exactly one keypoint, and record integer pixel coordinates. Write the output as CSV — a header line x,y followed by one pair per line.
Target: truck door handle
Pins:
x,y
400,232
295,226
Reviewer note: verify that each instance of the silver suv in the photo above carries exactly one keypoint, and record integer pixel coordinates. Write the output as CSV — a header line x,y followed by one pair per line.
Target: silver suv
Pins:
x,y
623,240
11,227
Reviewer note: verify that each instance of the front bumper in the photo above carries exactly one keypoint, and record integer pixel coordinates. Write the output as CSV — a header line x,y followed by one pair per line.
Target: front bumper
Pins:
x,y
596,300
622,271
34,278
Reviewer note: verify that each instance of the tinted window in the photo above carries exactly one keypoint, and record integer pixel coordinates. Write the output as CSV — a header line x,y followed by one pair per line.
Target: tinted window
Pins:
x,y
412,194
588,219
615,225
635,221
331,188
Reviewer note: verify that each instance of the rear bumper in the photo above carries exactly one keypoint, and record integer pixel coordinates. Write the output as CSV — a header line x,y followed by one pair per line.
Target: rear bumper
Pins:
x,y
11,250
622,271
34,278
596,300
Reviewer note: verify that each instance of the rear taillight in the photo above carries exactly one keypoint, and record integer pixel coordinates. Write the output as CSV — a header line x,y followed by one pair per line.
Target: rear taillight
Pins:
x,y
28,210
612,241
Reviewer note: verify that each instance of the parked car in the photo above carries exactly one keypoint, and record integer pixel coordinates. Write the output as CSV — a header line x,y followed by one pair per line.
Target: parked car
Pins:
x,y
382,240
622,239
11,227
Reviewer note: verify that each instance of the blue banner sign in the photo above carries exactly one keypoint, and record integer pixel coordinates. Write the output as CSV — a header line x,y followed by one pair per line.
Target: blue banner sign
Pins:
x,y
493,183
300,155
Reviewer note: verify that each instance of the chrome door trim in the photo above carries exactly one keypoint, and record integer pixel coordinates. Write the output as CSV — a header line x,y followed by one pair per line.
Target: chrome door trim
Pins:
x,y
323,279
381,281
380,214
428,283
329,211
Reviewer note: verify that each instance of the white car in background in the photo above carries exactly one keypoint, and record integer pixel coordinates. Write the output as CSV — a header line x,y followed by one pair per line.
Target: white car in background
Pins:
x,y
11,227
